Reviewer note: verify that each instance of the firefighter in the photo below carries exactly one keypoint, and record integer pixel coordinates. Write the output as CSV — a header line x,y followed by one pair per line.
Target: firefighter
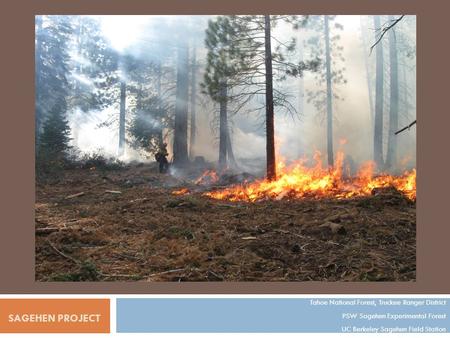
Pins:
x,y
161,158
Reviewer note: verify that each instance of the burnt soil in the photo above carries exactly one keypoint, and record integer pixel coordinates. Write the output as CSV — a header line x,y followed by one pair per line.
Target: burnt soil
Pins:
x,y
147,233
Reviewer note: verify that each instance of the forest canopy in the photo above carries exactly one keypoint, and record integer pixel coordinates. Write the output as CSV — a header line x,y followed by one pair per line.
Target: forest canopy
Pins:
x,y
225,87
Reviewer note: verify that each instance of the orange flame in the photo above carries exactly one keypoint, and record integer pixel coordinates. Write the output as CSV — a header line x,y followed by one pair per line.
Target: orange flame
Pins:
x,y
208,177
182,191
299,181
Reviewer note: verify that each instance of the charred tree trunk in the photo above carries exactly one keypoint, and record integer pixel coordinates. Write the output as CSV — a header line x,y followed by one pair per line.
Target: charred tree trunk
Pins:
x,y
193,101
123,98
223,126
379,99
329,95
270,131
391,156
180,149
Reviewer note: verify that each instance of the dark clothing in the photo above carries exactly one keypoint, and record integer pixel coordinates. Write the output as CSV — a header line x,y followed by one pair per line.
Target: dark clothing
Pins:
x,y
161,158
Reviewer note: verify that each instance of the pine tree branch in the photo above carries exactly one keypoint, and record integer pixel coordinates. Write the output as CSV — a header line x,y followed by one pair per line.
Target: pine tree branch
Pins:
x,y
385,30
407,127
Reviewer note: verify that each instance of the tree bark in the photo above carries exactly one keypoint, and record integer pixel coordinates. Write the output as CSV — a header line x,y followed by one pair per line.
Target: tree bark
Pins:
x,y
180,149
193,101
329,95
223,127
270,132
123,98
391,156
230,153
379,100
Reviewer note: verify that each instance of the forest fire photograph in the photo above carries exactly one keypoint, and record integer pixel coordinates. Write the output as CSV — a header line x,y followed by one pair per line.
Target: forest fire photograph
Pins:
x,y
208,148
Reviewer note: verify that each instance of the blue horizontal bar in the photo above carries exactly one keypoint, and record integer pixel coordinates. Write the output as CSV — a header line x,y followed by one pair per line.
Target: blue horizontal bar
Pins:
x,y
192,315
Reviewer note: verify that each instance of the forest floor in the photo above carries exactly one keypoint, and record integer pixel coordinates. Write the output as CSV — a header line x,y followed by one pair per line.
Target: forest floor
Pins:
x,y
126,224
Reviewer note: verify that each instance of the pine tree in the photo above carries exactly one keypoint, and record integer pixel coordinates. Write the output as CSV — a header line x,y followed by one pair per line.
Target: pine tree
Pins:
x,y
51,67
55,137
221,43
238,47
52,88
180,146
326,43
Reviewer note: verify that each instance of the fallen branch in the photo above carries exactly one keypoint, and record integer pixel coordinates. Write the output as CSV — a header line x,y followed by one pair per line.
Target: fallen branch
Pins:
x,y
48,230
63,254
164,272
75,195
407,127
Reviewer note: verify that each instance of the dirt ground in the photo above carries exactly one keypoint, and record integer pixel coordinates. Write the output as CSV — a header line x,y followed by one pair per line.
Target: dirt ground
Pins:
x,y
147,233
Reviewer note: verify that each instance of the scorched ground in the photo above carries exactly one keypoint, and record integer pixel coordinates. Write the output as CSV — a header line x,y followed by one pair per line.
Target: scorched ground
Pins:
x,y
127,224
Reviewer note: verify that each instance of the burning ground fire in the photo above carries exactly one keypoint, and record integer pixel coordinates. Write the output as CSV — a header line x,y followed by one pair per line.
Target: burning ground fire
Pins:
x,y
299,181
208,177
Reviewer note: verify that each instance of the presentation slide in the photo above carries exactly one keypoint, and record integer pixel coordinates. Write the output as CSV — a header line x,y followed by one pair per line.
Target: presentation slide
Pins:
x,y
224,168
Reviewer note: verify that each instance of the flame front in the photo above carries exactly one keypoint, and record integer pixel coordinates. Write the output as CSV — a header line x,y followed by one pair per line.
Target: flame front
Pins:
x,y
299,181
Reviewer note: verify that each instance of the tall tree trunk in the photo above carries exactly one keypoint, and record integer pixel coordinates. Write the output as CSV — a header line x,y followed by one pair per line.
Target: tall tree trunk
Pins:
x,y
405,90
38,81
159,93
123,98
391,156
180,149
77,87
379,99
270,132
368,73
301,80
230,153
223,126
329,96
193,100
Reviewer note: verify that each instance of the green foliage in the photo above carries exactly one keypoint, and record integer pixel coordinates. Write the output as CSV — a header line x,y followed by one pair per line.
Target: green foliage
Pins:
x,y
149,110
54,140
51,65
230,54
93,66
236,54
